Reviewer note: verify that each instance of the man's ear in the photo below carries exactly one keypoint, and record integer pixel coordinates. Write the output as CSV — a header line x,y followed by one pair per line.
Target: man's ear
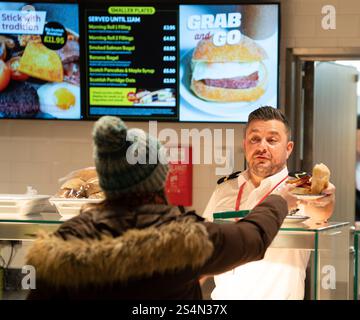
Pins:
x,y
289,148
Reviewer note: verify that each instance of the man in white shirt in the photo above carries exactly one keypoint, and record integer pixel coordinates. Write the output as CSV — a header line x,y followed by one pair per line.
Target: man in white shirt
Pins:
x,y
281,274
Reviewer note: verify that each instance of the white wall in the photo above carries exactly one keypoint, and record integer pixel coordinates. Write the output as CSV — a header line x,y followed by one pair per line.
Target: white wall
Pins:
x,y
37,153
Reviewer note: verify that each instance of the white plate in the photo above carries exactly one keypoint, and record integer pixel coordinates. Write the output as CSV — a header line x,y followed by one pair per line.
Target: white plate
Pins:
x,y
237,111
309,196
295,219
68,207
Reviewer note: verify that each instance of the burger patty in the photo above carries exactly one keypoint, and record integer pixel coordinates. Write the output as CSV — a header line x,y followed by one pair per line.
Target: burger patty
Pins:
x,y
245,82
19,99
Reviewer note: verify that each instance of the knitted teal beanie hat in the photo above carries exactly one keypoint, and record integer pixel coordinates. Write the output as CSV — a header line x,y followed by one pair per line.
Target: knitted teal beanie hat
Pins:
x,y
126,159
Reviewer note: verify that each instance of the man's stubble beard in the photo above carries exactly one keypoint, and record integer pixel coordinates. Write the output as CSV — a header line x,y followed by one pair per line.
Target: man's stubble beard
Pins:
x,y
265,171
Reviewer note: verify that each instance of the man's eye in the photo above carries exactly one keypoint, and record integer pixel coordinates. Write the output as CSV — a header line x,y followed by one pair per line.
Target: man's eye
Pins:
x,y
272,140
254,139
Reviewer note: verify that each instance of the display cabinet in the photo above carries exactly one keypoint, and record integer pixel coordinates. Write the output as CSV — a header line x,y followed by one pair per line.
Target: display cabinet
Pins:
x,y
16,234
328,271
21,228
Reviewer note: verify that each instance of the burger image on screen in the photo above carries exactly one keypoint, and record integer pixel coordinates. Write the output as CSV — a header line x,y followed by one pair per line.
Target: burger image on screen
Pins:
x,y
229,73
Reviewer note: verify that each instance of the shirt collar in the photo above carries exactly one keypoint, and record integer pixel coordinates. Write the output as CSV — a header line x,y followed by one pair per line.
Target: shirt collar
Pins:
x,y
269,181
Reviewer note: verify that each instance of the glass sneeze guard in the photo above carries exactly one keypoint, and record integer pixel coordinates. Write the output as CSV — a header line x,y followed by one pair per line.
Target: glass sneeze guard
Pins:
x,y
329,246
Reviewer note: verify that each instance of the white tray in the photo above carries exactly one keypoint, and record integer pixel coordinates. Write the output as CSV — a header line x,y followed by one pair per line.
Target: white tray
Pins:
x,y
22,203
68,207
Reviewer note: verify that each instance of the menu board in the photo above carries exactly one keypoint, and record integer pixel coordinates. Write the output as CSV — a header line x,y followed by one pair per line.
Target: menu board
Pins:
x,y
228,61
39,61
138,60
131,61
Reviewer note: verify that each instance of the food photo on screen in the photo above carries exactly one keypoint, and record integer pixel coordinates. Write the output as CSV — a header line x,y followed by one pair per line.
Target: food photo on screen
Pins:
x,y
160,97
228,61
39,61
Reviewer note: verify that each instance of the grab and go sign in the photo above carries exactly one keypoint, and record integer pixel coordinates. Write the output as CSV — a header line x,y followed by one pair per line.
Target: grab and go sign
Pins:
x,y
220,20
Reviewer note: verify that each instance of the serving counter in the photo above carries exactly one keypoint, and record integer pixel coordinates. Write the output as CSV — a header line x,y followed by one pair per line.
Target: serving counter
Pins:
x,y
328,272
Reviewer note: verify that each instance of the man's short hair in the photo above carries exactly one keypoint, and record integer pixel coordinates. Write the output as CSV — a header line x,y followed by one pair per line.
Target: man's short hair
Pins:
x,y
267,113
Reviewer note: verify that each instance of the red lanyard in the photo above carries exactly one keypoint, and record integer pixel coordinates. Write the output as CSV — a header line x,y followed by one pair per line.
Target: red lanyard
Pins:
x,y
241,190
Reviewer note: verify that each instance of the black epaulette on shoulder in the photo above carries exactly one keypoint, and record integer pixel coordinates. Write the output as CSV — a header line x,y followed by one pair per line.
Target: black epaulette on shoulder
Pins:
x,y
229,177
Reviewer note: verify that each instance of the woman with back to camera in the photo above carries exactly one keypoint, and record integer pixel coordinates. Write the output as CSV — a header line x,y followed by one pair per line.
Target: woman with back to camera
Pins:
x,y
134,245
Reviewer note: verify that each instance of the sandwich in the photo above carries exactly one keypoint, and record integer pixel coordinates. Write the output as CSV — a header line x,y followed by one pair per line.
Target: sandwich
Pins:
x,y
97,195
320,178
83,183
229,73
73,188
315,183
85,174
92,187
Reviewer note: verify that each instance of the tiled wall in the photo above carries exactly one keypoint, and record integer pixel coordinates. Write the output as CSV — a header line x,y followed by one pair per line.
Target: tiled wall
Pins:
x,y
37,153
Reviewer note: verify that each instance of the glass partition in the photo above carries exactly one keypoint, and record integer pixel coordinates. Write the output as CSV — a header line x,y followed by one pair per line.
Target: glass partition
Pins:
x,y
328,270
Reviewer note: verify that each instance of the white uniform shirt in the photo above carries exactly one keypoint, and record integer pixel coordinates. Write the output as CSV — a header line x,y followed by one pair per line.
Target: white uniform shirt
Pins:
x,y
281,274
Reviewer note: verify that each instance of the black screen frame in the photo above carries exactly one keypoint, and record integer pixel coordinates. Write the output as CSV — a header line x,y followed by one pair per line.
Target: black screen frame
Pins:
x,y
84,91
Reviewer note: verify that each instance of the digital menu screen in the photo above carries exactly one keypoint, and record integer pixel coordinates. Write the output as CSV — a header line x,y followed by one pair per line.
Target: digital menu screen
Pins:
x,y
131,61
138,60
39,61
228,61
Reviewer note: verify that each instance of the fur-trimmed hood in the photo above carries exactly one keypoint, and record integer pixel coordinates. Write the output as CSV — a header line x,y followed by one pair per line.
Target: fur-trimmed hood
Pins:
x,y
136,254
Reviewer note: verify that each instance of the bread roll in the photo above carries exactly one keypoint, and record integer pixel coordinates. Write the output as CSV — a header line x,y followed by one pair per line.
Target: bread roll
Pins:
x,y
93,180
82,184
85,174
97,195
73,188
64,193
320,178
74,184
92,188
247,50
244,52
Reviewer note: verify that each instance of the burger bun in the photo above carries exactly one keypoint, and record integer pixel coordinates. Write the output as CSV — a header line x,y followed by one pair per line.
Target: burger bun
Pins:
x,y
246,51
